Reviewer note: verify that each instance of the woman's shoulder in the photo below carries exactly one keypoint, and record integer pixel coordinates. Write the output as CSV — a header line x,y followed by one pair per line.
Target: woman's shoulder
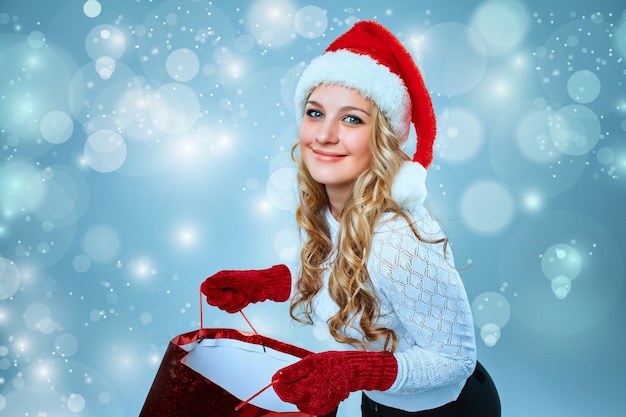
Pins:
x,y
417,219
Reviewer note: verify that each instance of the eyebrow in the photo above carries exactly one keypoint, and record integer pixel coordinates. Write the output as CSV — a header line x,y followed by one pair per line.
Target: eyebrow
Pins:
x,y
344,108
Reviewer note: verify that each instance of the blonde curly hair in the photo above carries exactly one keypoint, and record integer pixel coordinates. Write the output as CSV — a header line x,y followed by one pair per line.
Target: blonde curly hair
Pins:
x,y
348,281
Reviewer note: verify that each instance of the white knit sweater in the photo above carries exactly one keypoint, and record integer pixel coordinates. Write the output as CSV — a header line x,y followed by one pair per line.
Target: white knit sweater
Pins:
x,y
422,298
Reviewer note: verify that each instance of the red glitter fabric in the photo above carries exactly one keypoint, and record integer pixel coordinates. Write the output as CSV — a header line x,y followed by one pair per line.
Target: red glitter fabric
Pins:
x,y
179,391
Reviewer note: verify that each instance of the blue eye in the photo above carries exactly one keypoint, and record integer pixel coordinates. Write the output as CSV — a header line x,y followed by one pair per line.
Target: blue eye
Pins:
x,y
314,113
353,120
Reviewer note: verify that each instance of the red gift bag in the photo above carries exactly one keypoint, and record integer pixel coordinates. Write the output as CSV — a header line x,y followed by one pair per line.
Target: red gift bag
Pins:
x,y
181,390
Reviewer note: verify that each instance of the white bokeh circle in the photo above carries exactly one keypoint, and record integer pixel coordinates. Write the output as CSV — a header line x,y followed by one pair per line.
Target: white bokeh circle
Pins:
x,y
464,48
101,243
105,40
174,108
182,64
575,130
502,24
487,207
311,22
105,151
584,86
281,190
10,278
460,135
56,127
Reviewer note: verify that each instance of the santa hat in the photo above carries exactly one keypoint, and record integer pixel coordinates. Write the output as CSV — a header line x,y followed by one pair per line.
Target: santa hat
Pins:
x,y
370,59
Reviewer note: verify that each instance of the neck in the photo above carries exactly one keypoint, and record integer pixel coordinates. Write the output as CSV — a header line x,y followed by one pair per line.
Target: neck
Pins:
x,y
338,196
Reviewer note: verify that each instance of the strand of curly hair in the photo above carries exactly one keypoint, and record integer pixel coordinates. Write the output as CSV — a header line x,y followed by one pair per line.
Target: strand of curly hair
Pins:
x,y
349,278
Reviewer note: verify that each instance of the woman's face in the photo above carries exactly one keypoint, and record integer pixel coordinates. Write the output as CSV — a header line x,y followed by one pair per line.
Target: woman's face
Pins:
x,y
335,136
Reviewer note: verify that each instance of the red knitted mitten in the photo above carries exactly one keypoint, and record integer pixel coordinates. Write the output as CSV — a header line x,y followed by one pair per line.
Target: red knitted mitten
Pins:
x,y
233,290
319,382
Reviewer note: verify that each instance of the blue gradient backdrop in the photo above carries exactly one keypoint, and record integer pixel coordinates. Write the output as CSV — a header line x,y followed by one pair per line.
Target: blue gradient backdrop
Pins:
x,y
145,145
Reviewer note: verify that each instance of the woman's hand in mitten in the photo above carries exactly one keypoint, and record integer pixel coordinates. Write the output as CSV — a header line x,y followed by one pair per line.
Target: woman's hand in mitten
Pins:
x,y
319,382
233,290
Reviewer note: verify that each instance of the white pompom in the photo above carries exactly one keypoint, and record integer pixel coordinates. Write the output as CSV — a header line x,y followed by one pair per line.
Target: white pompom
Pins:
x,y
409,185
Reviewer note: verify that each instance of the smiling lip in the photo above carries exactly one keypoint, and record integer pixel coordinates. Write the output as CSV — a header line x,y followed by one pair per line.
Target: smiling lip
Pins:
x,y
324,156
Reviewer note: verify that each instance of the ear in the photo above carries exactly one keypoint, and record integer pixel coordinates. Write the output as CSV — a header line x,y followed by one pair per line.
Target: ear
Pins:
x,y
409,185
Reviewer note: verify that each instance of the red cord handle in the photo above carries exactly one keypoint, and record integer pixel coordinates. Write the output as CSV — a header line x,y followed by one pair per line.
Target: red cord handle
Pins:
x,y
243,403
240,311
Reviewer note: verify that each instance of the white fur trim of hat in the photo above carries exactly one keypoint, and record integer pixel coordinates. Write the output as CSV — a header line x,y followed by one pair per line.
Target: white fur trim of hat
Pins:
x,y
362,73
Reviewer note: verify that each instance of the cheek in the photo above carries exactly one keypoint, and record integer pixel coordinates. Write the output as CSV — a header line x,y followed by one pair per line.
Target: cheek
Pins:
x,y
360,147
305,134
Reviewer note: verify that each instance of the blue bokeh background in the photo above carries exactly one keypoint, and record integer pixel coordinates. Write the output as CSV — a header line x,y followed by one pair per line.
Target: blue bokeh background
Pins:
x,y
145,145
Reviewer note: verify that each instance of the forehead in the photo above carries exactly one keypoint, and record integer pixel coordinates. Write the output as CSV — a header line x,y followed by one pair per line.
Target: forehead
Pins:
x,y
335,93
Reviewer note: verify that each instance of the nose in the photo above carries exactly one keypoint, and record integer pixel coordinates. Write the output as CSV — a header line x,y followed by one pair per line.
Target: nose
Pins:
x,y
326,133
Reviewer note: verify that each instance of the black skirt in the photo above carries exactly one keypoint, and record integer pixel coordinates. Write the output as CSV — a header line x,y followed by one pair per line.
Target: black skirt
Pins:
x,y
479,398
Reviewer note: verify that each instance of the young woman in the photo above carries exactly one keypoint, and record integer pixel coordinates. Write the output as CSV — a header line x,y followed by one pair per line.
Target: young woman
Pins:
x,y
374,265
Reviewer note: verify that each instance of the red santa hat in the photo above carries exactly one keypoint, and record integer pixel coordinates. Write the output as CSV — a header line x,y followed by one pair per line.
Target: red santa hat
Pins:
x,y
370,59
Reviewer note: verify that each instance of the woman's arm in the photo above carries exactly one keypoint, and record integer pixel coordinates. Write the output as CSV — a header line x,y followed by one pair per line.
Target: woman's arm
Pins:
x,y
429,300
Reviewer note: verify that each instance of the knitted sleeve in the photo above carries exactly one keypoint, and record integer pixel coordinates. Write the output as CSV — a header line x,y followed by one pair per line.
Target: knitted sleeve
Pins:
x,y
424,294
